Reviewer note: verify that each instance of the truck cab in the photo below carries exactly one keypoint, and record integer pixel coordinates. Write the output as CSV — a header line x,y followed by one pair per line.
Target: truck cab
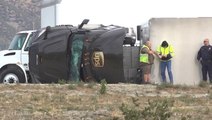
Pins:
x,y
79,53
14,61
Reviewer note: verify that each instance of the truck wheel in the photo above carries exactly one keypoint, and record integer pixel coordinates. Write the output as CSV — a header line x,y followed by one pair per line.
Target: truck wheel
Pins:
x,y
12,75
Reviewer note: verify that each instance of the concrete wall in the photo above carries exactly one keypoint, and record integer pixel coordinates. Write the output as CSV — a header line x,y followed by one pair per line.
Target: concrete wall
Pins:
x,y
186,35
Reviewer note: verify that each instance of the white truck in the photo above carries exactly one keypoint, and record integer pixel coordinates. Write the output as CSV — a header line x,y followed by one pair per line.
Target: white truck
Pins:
x,y
14,61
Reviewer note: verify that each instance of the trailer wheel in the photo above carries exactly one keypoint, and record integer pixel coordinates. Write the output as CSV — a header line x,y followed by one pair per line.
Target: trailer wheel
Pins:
x,y
12,75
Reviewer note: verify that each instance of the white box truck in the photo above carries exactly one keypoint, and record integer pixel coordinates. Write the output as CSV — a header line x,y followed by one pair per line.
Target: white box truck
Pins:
x,y
14,61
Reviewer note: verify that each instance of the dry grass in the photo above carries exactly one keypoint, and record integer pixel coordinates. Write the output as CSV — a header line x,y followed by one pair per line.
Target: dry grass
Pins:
x,y
84,101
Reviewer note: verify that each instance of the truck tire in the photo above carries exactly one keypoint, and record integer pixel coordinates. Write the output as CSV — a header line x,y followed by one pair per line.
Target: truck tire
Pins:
x,y
12,75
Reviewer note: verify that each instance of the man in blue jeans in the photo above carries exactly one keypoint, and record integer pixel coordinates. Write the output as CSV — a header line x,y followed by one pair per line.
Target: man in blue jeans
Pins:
x,y
165,53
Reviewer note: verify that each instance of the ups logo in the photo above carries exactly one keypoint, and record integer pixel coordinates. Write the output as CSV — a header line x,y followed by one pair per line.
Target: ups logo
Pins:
x,y
98,59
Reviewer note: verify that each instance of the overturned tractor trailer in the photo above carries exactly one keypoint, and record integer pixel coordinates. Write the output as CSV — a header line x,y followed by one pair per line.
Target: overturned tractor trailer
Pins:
x,y
79,53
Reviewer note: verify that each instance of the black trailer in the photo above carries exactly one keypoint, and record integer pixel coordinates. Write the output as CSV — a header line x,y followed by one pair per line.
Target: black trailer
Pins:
x,y
76,53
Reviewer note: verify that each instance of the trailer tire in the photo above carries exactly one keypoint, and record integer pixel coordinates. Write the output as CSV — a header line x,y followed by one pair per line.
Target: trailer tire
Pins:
x,y
12,75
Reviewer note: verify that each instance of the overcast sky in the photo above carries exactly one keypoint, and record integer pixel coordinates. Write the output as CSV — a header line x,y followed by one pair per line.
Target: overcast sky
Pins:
x,y
130,12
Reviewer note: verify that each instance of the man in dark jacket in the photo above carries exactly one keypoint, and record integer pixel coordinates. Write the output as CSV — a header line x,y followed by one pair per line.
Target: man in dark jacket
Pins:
x,y
205,57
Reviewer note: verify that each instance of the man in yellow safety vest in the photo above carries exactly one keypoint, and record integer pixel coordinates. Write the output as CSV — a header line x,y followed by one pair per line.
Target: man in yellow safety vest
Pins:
x,y
165,53
146,61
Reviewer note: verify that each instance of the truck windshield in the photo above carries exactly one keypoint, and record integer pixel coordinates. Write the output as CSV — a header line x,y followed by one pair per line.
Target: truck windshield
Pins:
x,y
18,41
76,52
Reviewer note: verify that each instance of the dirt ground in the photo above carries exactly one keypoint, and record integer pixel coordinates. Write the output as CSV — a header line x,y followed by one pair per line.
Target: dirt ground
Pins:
x,y
86,102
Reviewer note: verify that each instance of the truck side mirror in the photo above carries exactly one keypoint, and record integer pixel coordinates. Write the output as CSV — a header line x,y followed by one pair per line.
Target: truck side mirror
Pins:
x,y
85,21
139,32
46,32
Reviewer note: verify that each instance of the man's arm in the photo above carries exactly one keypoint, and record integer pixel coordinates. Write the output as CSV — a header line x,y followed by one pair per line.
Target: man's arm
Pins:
x,y
171,51
199,55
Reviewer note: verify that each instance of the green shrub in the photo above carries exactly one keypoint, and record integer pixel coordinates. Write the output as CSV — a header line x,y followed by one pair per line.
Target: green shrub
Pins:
x,y
156,110
80,84
186,117
74,84
62,81
130,113
91,84
103,87
187,99
203,84
164,86
72,87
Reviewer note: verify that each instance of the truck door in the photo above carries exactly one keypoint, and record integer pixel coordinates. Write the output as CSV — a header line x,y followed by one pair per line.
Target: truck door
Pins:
x,y
24,53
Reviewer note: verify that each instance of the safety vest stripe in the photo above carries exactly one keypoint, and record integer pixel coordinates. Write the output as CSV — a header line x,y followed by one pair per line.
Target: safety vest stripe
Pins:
x,y
144,57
